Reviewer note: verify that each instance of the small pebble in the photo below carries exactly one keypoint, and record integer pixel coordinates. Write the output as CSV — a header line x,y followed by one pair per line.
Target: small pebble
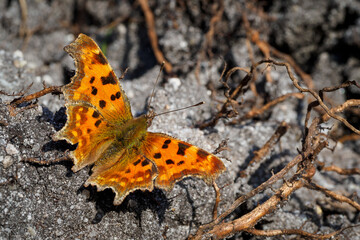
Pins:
x,y
175,83
8,161
11,149
31,231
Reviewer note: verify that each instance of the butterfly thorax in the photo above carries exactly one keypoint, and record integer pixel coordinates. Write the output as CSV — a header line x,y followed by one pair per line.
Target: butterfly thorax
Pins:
x,y
132,133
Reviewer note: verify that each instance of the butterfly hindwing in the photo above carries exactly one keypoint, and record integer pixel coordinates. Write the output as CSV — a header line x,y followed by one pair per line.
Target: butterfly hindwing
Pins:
x,y
86,127
176,159
128,173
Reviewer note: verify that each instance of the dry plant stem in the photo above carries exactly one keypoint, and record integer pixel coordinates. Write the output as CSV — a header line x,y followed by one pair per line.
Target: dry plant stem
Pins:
x,y
54,89
302,233
266,49
230,98
258,111
3,123
250,219
315,95
252,59
150,23
304,76
280,131
342,107
333,195
252,193
350,137
207,44
13,111
217,200
341,171
210,33
46,162
220,230
21,93
23,26
343,85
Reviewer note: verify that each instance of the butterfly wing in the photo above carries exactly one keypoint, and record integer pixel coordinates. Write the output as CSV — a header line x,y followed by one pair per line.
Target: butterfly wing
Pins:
x,y
95,82
176,159
86,127
95,103
129,172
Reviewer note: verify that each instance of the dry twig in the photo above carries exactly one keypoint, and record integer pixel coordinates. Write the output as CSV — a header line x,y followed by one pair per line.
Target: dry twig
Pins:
x,y
342,171
261,153
150,23
332,194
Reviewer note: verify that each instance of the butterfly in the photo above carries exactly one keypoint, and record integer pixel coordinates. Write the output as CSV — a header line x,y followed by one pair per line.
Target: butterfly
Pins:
x,y
124,155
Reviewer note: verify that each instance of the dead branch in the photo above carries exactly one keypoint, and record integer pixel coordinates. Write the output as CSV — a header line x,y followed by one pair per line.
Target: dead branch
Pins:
x,y
230,97
217,200
302,233
213,21
306,170
150,23
252,193
3,123
248,220
315,95
341,108
24,16
261,153
48,162
342,171
349,137
254,112
53,89
332,194
207,44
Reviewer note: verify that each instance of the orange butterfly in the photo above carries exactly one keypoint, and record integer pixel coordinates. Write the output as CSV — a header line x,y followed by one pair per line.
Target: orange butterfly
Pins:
x,y
125,155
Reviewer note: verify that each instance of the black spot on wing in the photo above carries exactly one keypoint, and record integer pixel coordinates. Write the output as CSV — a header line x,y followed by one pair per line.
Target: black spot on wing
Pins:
x,y
182,148
93,90
145,162
97,123
157,155
109,79
95,114
92,79
169,161
137,162
100,58
180,163
166,143
202,154
102,103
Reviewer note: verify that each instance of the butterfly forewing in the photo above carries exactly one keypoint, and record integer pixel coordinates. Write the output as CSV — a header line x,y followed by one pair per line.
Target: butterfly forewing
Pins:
x,y
95,103
95,82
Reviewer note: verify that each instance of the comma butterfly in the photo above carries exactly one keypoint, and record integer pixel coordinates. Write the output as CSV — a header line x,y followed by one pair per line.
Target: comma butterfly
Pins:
x,y
125,156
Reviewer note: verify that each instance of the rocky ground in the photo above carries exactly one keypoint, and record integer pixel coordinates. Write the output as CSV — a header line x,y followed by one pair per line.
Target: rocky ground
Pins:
x,y
40,202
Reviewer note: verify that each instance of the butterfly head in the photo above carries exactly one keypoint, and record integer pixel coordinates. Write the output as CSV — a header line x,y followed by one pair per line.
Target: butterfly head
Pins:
x,y
149,117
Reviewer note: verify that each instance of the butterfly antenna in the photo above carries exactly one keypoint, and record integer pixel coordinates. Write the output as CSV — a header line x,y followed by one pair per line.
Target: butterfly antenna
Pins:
x,y
180,109
157,79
